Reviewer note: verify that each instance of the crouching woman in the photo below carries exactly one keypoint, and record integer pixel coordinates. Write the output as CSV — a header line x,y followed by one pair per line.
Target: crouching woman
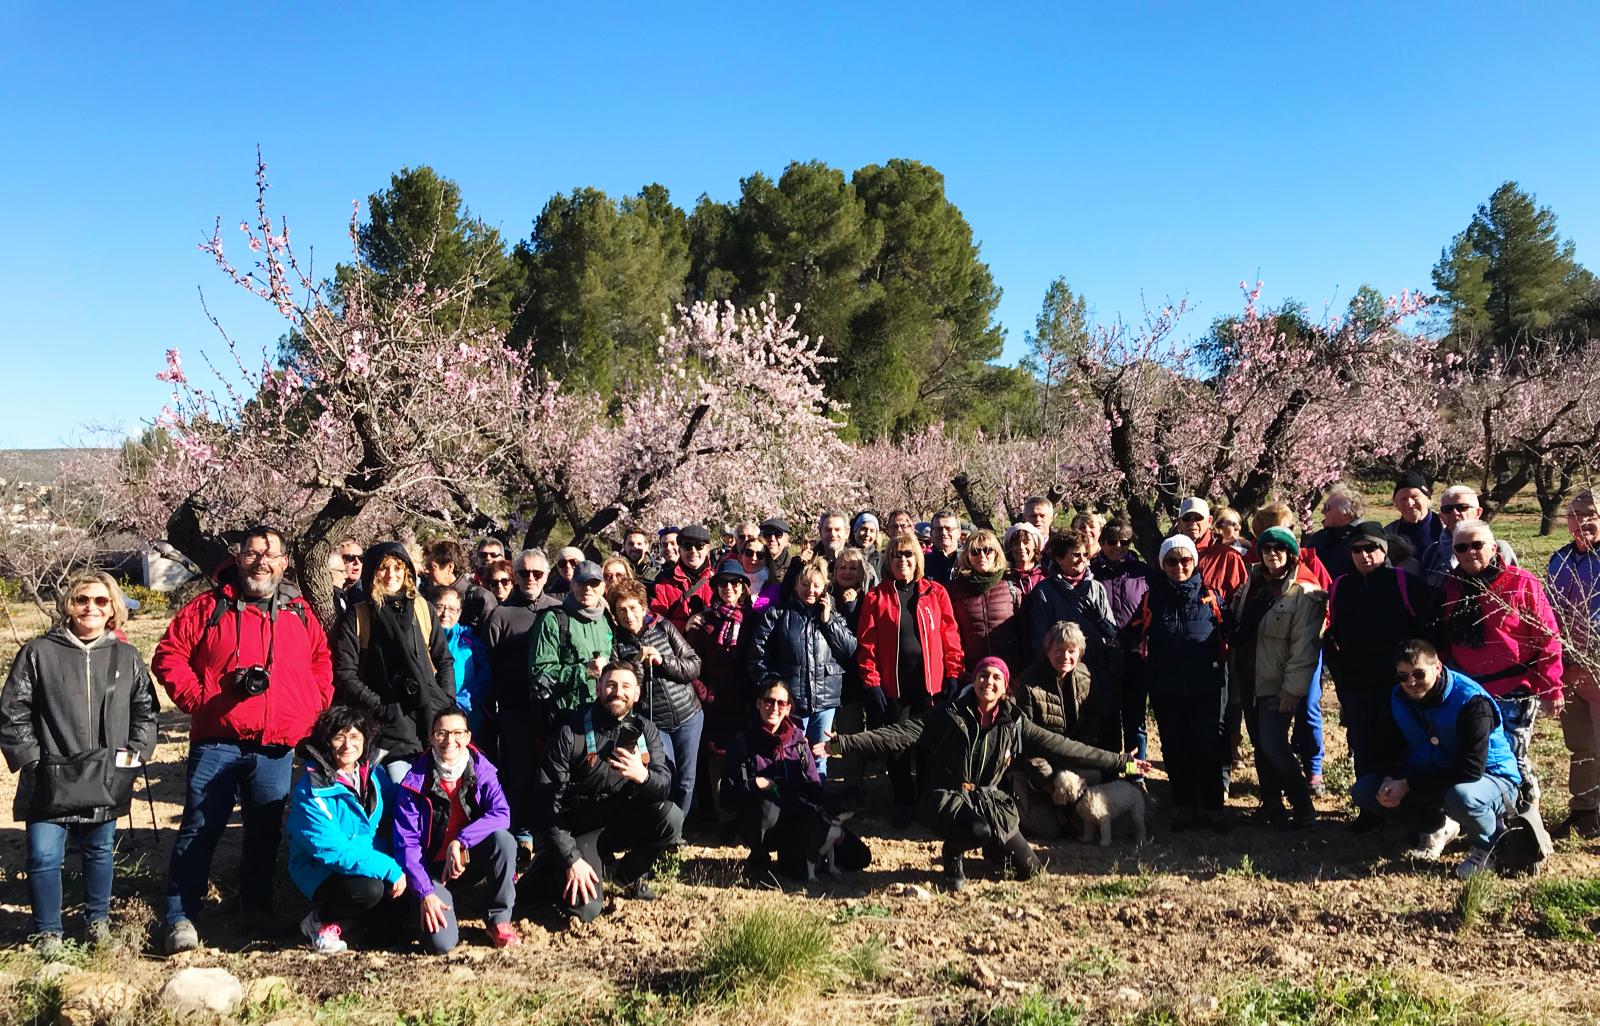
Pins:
x,y
770,779
452,822
334,812
969,746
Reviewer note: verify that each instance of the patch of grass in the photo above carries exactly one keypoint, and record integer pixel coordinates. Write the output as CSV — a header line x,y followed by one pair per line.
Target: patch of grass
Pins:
x,y
1244,870
1120,889
1375,1000
339,1009
955,973
1033,1009
1475,897
850,913
669,867
1566,908
765,952
474,1007
39,1003
1097,962
867,962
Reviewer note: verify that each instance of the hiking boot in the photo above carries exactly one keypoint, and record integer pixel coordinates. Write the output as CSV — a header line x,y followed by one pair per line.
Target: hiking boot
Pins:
x,y
325,938
955,872
525,855
1317,786
1430,846
1272,816
100,933
504,935
1477,860
640,890
1301,819
1583,822
1227,783
182,936
49,946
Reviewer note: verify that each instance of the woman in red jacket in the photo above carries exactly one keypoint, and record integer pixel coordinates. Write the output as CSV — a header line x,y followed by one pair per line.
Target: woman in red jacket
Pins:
x,y
909,653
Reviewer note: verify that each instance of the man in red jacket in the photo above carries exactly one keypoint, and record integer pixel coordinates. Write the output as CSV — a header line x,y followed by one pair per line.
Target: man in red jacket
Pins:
x,y
249,663
684,588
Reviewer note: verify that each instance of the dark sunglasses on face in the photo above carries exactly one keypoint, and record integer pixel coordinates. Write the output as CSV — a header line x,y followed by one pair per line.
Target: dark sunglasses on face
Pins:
x,y
532,575
1273,547
1364,549
1454,507
755,553
1476,545
774,703
349,558
905,555
1114,543
1191,518
1177,561
98,601
984,551
500,582
1417,675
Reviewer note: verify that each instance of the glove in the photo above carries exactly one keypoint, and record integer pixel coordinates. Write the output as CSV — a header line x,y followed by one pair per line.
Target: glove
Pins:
x,y
877,704
952,687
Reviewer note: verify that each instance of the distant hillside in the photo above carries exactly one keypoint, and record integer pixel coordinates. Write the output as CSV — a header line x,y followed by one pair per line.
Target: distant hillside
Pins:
x,y
34,466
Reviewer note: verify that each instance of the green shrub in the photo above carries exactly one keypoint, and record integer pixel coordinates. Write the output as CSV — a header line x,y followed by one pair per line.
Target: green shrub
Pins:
x,y
151,602
768,951
1477,893
1033,1009
1119,889
1363,1001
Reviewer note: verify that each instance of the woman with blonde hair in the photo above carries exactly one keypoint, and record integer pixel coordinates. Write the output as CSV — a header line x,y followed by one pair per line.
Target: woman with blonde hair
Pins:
x,y
614,570
985,604
392,660
77,716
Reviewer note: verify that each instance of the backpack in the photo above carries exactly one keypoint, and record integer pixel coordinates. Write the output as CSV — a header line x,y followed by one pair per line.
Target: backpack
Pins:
x,y
221,604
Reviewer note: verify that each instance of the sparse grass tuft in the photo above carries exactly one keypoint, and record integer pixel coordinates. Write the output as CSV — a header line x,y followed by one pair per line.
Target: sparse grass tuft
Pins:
x,y
1119,889
1348,1002
867,962
1033,1009
1566,908
1097,962
765,952
1475,897
850,913
1245,870
39,1003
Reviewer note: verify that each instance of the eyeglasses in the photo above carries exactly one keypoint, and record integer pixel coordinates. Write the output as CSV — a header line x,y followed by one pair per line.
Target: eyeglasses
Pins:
x,y
1114,543
569,562
446,736
755,553
254,556
774,703
349,557
98,601
1365,548
984,550
1418,675
532,575
1475,545
696,545
441,609
500,582
1177,561
1191,518
1454,507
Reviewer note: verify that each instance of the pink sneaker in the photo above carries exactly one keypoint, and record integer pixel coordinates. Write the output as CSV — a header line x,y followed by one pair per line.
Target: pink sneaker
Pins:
x,y
325,938
504,935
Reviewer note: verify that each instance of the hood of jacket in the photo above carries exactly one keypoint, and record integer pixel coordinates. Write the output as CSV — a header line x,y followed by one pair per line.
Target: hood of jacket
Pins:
x,y
374,555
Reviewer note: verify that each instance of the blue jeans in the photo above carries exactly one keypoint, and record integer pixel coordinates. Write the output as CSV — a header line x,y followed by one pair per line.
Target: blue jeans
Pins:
x,y
221,774
816,727
683,758
1308,726
47,850
1477,805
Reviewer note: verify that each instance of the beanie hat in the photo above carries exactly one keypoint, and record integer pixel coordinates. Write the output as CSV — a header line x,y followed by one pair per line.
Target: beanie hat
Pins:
x,y
1016,529
864,518
1412,479
996,663
1369,531
1178,541
1283,536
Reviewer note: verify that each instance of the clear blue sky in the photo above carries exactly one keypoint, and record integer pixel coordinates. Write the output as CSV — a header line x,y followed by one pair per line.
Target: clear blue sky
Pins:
x,y
1139,151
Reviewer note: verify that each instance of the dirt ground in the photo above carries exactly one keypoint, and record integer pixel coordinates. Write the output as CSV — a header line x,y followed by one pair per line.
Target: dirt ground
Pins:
x,y
1185,917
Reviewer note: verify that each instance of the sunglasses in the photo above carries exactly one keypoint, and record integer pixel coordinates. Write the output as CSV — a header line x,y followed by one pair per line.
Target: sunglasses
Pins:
x,y
984,551
1115,543
1366,548
348,558
774,703
1476,545
569,562
98,601
905,555
532,575
755,553
1191,518
1415,675
500,582
1273,547
1454,507
1177,561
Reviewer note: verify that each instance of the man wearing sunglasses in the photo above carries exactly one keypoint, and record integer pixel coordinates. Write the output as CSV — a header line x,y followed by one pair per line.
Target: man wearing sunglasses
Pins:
x,y
1371,611
1499,630
347,589
1574,579
685,588
1458,505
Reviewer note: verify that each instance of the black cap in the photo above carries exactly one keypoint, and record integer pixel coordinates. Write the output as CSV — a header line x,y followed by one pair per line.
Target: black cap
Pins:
x,y
775,525
693,534
732,568
588,572
1412,479
1369,531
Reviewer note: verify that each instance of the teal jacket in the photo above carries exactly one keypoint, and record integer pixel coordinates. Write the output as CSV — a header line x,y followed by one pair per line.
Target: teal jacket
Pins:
x,y
332,832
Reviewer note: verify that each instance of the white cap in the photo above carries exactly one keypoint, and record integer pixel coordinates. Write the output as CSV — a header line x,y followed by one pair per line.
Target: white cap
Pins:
x,y
1194,504
1178,541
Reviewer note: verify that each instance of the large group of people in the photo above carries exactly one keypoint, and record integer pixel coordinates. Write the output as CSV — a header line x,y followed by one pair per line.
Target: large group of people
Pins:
x,y
539,727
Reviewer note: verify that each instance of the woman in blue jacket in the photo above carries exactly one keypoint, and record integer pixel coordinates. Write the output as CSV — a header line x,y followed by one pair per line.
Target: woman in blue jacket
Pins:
x,y
471,661
334,813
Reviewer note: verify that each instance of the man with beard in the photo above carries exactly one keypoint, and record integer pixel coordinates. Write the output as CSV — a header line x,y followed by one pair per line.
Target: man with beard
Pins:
x,y
603,785
249,663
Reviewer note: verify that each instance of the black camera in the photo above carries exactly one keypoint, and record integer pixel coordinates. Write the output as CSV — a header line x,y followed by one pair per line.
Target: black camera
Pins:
x,y
252,680
410,691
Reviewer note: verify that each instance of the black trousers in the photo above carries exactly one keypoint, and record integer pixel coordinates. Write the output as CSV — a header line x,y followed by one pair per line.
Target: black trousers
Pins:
x,y
355,899
1375,741
1192,745
906,768
794,832
643,830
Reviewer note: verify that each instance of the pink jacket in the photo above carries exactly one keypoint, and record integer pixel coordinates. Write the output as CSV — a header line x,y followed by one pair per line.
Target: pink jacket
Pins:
x,y
1510,641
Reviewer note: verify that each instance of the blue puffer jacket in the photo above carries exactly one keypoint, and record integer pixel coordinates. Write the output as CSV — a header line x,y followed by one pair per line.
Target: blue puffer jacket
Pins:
x,y
472,673
809,655
1432,738
1179,629
332,832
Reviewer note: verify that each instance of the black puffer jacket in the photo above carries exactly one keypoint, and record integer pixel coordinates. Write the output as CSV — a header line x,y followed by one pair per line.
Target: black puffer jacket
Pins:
x,y
570,781
809,655
667,696
64,698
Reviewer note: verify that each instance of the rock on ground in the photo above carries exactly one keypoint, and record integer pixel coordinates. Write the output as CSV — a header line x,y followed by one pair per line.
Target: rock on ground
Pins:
x,y
215,991
92,997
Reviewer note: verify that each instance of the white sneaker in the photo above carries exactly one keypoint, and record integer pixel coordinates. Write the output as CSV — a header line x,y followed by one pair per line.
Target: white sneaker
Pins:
x,y
1431,846
1477,860
325,939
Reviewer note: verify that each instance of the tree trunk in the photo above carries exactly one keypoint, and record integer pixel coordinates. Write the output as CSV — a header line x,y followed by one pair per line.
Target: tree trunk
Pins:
x,y
202,548
963,486
315,546
1551,483
541,523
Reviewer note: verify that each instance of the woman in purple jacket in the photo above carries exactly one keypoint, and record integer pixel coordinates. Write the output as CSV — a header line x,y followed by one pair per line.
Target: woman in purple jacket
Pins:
x,y
771,779
451,822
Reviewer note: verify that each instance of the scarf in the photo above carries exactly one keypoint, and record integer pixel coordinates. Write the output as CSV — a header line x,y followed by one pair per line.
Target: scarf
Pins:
x,y
722,623
451,773
355,779
576,609
398,638
1464,620
979,583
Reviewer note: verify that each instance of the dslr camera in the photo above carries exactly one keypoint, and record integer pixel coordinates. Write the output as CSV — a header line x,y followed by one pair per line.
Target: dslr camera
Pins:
x,y
251,680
